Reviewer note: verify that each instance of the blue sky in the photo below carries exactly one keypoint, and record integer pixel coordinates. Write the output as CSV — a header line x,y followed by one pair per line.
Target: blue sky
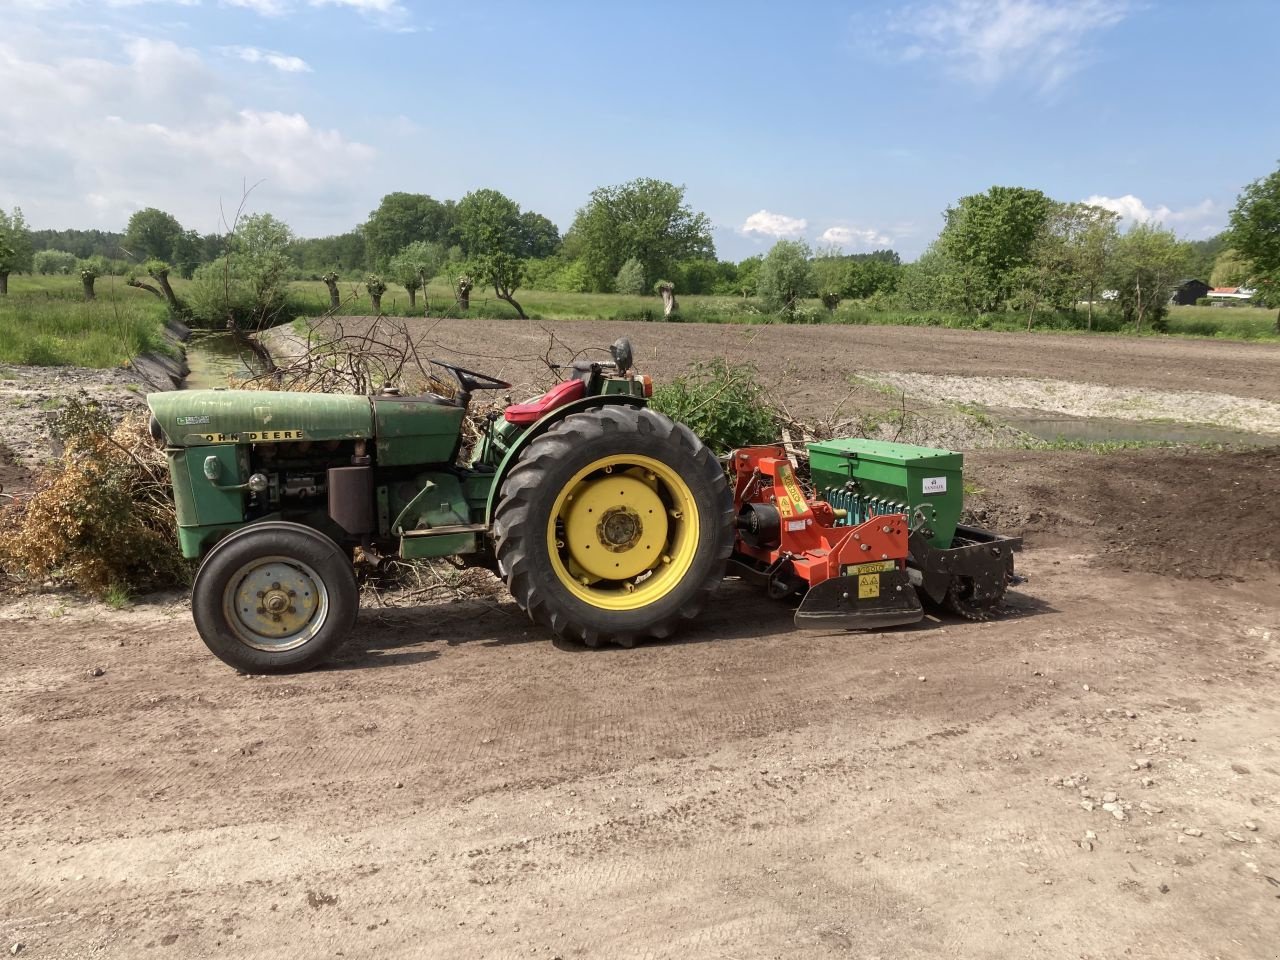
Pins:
x,y
848,123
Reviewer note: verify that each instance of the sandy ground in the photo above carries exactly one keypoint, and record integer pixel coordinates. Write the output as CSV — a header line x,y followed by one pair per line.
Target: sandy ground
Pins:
x,y
1096,774
1093,400
30,396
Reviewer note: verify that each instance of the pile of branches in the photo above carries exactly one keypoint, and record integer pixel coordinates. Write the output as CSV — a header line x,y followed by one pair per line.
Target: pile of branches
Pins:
x,y
337,360
103,518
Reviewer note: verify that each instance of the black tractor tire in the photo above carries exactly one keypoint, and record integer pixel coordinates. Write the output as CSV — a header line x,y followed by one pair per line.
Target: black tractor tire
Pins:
x,y
529,494
281,555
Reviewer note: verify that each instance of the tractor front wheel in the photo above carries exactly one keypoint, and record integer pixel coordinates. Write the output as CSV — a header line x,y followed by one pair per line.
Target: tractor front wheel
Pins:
x,y
613,526
274,597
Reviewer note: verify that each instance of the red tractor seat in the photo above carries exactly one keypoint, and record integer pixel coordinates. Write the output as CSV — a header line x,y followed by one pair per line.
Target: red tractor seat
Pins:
x,y
557,396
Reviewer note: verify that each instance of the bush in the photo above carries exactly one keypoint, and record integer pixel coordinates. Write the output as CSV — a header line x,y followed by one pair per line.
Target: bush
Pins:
x,y
47,262
785,276
630,278
724,405
217,297
104,518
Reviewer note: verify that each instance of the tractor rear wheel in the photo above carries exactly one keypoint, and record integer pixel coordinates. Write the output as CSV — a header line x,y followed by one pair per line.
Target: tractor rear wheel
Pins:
x,y
613,526
274,597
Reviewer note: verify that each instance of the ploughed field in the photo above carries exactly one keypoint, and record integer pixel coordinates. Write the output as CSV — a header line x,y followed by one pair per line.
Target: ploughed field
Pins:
x,y
1096,774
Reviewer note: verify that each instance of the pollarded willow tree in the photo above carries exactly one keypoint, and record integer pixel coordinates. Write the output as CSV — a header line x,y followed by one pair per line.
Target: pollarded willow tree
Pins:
x,y
785,276
415,265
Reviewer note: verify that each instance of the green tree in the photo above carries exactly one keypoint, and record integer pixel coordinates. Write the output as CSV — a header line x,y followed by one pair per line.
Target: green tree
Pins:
x,y
747,282
343,254
1148,265
869,275
923,285
415,265
643,219
1046,279
1255,236
493,239
1091,235
153,235
83,243
1230,269
248,285
1203,254
830,276
404,218
630,279
15,246
986,238
540,238
785,276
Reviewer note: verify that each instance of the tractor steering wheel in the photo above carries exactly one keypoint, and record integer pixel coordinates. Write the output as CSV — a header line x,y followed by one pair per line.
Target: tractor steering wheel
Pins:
x,y
469,380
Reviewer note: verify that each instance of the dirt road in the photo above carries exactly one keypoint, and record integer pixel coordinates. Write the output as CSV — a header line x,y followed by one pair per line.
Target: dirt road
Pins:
x,y
1095,775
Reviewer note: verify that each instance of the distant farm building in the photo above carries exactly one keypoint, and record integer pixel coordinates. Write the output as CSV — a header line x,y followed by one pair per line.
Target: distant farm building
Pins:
x,y
1227,295
1189,291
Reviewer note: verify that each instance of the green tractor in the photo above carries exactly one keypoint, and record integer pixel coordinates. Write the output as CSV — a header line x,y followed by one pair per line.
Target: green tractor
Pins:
x,y
608,521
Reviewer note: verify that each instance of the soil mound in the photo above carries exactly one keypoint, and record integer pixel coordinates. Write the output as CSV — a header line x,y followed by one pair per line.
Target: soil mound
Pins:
x,y
1181,513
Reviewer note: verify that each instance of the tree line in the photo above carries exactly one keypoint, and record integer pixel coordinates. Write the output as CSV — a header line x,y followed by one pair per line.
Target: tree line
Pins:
x,y
1008,250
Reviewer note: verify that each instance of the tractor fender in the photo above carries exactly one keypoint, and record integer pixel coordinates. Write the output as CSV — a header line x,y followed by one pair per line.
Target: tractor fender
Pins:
x,y
539,427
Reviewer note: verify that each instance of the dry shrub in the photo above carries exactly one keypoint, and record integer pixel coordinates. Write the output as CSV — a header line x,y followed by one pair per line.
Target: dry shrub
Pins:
x,y
103,519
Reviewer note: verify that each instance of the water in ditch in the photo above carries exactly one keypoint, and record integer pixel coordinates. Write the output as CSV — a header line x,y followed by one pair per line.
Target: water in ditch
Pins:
x,y
215,359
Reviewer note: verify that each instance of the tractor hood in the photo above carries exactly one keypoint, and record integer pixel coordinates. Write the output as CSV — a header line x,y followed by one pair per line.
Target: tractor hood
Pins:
x,y
191,418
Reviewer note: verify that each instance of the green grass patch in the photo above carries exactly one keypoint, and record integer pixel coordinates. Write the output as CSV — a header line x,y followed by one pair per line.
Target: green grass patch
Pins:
x,y
1120,446
45,322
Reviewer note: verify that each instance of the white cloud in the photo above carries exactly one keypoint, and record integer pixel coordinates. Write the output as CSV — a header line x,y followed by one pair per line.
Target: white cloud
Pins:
x,y
853,237
1133,210
282,62
86,140
266,8
986,42
387,13
777,225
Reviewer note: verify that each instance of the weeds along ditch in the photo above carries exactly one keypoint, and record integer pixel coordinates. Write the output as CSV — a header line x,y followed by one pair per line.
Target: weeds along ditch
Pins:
x,y
44,321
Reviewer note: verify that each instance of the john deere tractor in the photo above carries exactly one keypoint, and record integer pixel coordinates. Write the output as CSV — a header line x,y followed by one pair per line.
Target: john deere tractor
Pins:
x,y
608,521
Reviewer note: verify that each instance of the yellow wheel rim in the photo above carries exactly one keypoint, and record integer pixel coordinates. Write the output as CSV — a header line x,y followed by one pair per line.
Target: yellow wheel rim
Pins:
x,y
623,532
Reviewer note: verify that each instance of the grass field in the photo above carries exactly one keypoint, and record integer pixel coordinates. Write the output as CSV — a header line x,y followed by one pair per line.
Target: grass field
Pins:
x,y
44,321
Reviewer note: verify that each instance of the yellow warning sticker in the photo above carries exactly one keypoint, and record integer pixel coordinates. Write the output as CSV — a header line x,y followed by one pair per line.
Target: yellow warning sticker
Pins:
x,y
879,566
793,489
868,586
784,506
